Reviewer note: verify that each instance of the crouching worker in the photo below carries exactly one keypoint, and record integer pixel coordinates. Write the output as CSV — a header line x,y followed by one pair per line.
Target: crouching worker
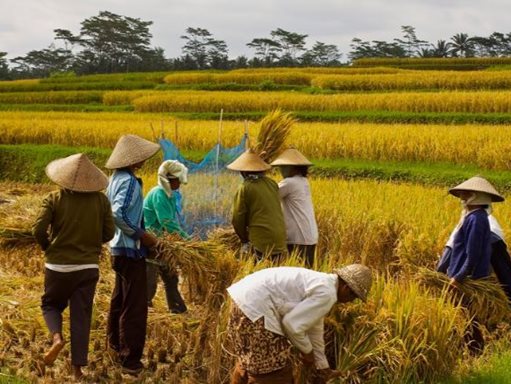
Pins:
x,y
160,216
79,219
276,308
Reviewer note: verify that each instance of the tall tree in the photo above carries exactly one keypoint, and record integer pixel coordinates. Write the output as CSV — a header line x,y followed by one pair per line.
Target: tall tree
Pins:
x,y
410,43
4,67
291,45
43,62
266,50
205,51
322,54
462,45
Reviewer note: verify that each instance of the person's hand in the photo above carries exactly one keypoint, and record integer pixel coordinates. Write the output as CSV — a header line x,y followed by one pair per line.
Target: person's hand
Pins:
x,y
308,359
454,284
245,249
148,240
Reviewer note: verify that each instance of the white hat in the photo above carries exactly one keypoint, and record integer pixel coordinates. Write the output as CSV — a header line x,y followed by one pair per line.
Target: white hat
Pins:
x,y
77,173
291,156
173,169
358,277
249,161
477,184
130,150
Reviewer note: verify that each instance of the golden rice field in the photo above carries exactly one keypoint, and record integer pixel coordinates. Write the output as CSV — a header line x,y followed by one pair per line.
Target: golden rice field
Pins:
x,y
484,146
214,101
410,331
406,332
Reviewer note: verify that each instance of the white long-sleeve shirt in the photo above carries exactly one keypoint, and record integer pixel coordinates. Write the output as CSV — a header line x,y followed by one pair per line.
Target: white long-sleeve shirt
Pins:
x,y
293,302
296,201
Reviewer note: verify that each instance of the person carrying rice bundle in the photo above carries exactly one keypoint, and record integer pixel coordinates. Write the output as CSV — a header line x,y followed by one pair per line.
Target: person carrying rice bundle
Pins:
x,y
160,216
276,308
79,219
469,249
295,195
257,215
127,319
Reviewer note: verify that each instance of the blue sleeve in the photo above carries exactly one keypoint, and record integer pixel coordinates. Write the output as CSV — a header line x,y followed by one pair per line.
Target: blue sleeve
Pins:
x,y
122,199
477,231
445,260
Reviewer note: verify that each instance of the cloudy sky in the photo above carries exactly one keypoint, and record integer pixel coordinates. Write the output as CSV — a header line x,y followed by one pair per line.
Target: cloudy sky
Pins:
x,y
29,24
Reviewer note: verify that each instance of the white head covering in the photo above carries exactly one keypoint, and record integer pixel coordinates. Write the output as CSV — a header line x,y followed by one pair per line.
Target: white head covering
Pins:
x,y
173,169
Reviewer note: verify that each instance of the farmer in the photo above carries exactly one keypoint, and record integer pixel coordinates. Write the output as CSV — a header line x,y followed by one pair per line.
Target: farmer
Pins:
x,y
469,249
160,216
79,219
295,196
128,309
257,215
276,308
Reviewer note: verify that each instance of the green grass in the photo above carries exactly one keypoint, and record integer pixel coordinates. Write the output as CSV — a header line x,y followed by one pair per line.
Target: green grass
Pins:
x,y
92,107
26,163
495,370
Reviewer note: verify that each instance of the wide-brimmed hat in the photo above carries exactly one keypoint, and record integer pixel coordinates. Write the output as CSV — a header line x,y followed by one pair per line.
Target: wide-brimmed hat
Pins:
x,y
130,150
358,277
77,173
291,156
477,184
249,161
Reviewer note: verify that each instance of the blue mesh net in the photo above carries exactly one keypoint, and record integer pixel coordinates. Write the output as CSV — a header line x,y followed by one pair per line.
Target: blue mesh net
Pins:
x,y
205,202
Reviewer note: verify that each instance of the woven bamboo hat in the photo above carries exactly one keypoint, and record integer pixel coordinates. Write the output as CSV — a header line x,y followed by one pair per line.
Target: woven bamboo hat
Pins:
x,y
477,184
249,161
358,277
77,173
291,156
130,150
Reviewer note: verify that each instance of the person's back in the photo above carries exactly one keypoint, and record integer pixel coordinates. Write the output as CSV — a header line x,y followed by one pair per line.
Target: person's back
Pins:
x,y
77,226
266,228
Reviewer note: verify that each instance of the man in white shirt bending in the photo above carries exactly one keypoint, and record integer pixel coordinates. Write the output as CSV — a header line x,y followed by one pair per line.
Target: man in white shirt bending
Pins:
x,y
276,308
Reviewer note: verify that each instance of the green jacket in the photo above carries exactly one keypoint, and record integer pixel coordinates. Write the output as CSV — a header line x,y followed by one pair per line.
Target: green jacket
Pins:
x,y
160,213
257,215
78,223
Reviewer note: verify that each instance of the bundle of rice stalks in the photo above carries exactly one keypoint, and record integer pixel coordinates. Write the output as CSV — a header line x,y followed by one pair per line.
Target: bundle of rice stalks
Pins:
x,y
12,237
483,298
208,266
227,237
16,218
275,128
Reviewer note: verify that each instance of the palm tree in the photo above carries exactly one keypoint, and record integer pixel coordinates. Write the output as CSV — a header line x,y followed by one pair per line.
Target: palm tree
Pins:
x,y
462,45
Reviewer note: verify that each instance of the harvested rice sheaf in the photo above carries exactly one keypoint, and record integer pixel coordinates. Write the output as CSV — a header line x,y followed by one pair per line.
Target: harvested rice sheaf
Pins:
x,y
484,298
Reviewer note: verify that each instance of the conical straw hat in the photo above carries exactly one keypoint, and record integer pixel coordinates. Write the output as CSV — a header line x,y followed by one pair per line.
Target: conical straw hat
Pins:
x,y
130,150
358,277
77,173
477,184
291,156
249,161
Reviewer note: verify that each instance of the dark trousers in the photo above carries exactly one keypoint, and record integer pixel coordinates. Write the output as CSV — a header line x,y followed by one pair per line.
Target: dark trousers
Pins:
x,y
304,251
75,289
170,279
127,319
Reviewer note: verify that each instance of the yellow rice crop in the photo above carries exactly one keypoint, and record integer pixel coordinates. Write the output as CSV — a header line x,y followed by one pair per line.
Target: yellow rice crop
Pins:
x,y
442,80
202,101
485,146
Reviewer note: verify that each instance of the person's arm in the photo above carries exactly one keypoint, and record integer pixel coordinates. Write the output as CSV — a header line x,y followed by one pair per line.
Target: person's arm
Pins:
x,y
167,215
304,316
477,227
284,189
108,221
445,260
240,215
42,222
318,345
120,204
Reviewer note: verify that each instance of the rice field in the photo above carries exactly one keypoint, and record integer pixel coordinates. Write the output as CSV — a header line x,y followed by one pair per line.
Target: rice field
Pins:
x,y
410,331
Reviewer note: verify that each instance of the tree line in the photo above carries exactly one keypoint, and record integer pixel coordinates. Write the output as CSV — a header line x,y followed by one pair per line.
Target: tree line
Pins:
x,y
110,43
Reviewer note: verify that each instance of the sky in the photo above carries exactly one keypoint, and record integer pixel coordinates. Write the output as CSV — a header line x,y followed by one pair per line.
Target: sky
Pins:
x,y
28,24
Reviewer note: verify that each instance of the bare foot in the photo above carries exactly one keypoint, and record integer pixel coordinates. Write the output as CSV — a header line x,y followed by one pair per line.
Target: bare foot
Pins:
x,y
51,355
77,372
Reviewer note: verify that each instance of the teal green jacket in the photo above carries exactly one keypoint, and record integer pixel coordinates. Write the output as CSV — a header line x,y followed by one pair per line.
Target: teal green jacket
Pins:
x,y
160,213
